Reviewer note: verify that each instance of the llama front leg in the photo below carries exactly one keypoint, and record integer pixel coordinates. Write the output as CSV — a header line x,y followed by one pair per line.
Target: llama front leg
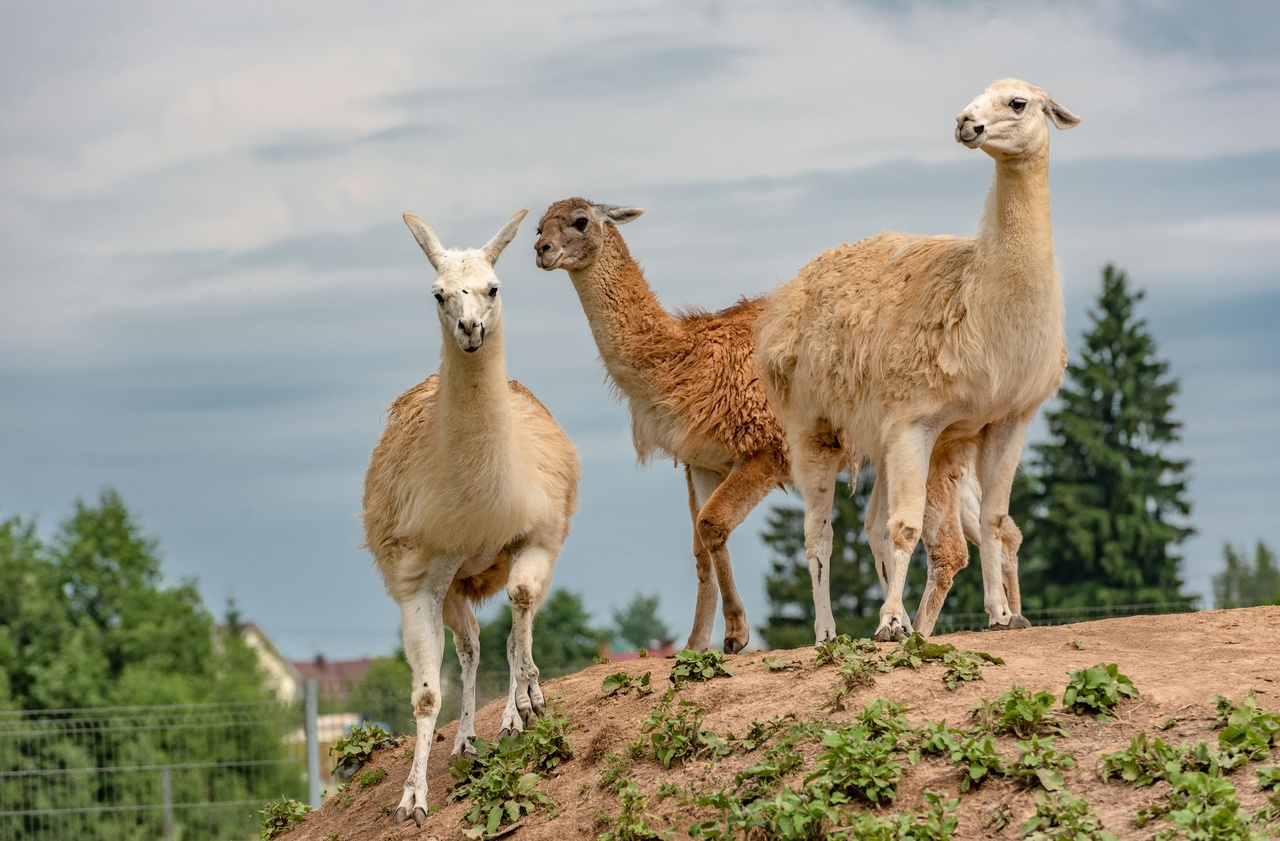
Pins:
x,y
527,586
704,611
997,464
466,641
422,629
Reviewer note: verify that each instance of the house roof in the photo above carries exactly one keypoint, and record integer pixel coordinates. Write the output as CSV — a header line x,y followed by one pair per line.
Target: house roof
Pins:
x,y
333,676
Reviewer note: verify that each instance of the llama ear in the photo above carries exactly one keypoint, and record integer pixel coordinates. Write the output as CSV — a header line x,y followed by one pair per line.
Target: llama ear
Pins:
x,y
1059,116
426,238
616,214
502,238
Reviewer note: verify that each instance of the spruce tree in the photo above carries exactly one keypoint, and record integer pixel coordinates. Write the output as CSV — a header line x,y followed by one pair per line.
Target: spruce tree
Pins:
x,y
1109,503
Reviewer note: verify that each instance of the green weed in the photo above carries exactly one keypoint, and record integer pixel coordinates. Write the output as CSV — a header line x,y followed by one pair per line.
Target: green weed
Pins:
x,y
370,778
979,758
619,683
1062,817
355,748
1018,711
1040,763
678,734
698,666
632,824
1097,689
279,815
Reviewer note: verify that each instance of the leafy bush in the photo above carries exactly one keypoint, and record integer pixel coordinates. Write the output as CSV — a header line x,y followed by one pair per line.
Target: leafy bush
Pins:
x,y
497,784
979,758
1097,689
1202,807
1249,732
858,763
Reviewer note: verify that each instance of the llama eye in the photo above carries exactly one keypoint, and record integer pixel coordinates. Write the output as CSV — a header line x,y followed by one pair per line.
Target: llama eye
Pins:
x,y
580,224
439,298
493,291
539,231
1017,105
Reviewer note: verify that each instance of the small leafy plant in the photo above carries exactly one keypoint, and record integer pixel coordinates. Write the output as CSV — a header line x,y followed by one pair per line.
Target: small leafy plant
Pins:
x,y
371,777
979,758
859,763
1064,818
698,666
279,815
619,683
1096,690
678,734
632,824
498,785
355,748
1249,732
1018,711
1040,763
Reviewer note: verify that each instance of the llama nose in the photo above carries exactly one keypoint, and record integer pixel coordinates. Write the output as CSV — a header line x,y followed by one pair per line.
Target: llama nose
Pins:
x,y
466,325
978,129
543,247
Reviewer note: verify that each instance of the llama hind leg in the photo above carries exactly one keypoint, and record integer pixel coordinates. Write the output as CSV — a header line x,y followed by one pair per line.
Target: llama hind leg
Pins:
x,y
527,587
997,464
943,541
723,511
815,462
906,467
466,640
704,612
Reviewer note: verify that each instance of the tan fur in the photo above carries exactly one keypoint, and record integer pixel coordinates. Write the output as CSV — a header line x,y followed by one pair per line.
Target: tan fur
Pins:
x,y
470,488
904,342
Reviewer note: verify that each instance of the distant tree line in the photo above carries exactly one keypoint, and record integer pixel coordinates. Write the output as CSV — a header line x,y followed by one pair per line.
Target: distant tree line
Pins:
x,y
1102,503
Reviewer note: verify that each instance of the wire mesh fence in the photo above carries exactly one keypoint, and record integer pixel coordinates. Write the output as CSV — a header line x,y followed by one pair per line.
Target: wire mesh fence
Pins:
x,y
125,773
1065,615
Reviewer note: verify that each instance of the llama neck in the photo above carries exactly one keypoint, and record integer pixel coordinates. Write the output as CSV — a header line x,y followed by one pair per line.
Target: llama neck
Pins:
x,y
630,327
477,412
1015,237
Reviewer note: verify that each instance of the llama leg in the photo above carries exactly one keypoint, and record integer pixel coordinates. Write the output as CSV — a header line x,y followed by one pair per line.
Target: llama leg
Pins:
x,y
422,630
1011,538
466,640
943,541
527,586
997,463
907,465
704,612
815,462
741,491
876,525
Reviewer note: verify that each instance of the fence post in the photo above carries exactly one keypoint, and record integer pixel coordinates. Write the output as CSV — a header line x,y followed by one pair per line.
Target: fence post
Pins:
x,y
166,786
313,748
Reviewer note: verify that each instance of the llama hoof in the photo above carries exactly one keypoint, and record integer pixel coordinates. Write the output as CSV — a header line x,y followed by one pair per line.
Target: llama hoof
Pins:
x,y
732,646
463,750
1016,623
891,631
418,814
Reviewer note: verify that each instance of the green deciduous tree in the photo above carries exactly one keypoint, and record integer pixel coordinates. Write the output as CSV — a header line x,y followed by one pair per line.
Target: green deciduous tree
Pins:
x,y
637,625
86,621
1245,583
1110,502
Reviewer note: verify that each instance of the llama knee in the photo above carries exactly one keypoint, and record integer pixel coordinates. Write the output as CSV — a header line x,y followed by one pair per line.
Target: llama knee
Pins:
x,y
711,532
904,536
426,701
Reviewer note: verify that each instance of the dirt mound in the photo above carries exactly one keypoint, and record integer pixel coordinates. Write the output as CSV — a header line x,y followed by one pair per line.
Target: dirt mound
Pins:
x,y
1178,663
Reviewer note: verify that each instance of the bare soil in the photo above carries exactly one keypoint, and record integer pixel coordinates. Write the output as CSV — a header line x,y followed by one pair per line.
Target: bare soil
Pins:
x,y
1179,664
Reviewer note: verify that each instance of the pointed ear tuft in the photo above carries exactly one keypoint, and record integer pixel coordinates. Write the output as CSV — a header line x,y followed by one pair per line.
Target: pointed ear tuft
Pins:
x,y
502,238
426,238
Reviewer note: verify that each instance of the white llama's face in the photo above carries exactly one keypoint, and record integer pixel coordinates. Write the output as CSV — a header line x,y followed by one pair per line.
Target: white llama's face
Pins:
x,y
467,300
1008,119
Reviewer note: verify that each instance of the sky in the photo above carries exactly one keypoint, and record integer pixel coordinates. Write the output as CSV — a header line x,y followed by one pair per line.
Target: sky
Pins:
x,y
208,297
